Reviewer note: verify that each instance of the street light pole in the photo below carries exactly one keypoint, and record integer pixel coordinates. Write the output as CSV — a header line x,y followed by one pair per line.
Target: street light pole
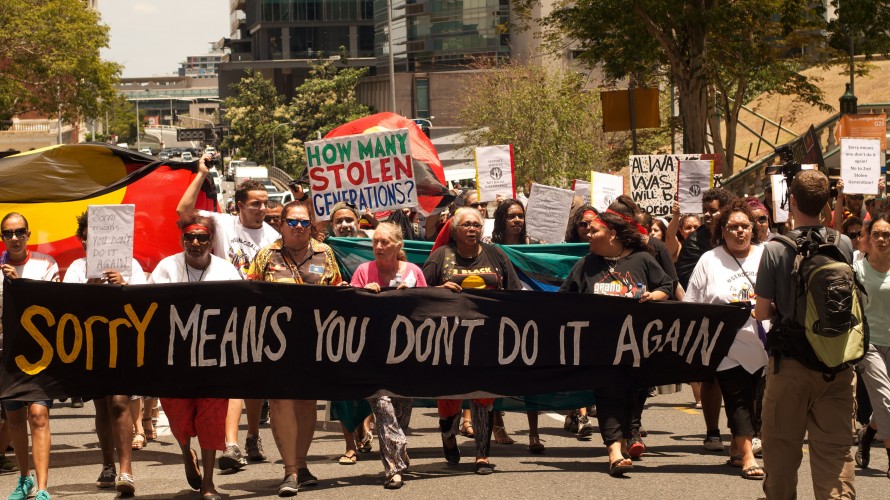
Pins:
x,y
138,143
392,66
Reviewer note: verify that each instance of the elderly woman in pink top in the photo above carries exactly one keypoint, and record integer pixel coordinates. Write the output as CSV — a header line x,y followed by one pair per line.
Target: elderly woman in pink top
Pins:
x,y
390,269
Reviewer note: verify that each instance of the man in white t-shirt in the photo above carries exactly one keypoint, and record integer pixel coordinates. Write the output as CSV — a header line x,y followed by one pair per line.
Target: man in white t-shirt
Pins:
x,y
238,239
19,262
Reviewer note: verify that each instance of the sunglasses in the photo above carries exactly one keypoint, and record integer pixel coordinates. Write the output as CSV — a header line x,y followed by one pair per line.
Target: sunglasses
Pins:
x,y
585,225
190,237
18,233
477,205
272,219
853,235
304,223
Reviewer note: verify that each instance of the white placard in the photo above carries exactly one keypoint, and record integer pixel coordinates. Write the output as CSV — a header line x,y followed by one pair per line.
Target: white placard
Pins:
x,y
582,190
694,177
494,172
371,171
547,213
605,188
780,201
860,165
110,239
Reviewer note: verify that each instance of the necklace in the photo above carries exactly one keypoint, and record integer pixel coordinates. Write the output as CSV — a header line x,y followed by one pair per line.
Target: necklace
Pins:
x,y
612,262
188,271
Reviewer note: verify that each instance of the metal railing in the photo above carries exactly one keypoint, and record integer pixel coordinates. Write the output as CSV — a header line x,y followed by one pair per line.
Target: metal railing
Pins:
x,y
750,180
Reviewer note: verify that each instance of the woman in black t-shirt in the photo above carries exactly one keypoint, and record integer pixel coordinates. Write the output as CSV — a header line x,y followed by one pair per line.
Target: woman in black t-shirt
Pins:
x,y
466,262
619,264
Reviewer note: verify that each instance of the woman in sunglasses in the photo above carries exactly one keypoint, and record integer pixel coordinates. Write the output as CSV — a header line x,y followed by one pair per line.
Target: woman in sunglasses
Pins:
x,y
874,273
466,262
295,258
852,227
727,274
761,218
578,230
619,264
201,417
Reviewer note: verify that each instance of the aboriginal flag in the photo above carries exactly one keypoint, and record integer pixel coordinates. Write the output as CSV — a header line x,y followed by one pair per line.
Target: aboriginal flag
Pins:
x,y
52,186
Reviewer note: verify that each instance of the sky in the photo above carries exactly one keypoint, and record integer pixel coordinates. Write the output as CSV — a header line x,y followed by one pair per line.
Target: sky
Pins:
x,y
151,37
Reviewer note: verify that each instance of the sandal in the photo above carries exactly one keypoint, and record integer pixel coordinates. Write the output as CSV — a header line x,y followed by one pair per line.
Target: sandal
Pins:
x,y
501,436
735,461
394,483
534,444
364,444
620,466
466,429
484,468
749,473
194,479
139,441
150,432
347,459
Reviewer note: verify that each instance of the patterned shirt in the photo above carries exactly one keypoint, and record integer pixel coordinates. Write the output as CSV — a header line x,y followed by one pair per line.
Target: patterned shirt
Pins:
x,y
318,267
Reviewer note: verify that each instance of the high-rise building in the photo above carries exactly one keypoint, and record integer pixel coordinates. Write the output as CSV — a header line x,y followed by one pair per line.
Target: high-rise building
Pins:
x,y
203,66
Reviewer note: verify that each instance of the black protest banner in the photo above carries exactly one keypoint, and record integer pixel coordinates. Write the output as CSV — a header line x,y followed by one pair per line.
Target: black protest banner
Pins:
x,y
264,340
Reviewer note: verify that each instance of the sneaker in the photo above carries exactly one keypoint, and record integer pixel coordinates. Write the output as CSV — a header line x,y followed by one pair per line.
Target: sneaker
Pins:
x,y
232,458
125,484
636,448
756,446
264,413
571,424
24,489
254,447
77,402
42,495
305,478
585,428
713,443
7,465
289,486
106,478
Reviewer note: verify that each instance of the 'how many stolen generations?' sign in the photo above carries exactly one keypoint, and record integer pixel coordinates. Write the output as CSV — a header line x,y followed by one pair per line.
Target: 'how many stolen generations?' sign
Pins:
x,y
371,171
266,340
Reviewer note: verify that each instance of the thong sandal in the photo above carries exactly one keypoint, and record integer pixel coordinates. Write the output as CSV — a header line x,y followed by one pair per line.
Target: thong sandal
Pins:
x,y
193,480
347,459
139,441
466,429
150,432
364,444
749,473
619,467
501,436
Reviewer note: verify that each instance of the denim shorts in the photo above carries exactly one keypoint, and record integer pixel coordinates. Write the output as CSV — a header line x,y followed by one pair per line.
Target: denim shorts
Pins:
x,y
18,405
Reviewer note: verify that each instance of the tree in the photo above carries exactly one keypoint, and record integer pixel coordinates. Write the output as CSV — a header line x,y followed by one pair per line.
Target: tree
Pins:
x,y
254,113
859,27
716,53
554,125
49,59
323,102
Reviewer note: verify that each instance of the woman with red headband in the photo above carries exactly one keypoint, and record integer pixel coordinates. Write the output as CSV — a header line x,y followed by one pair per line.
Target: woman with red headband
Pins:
x,y
619,264
201,417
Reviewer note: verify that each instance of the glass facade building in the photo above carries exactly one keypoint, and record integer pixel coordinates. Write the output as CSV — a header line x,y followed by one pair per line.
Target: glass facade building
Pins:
x,y
300,29
431,35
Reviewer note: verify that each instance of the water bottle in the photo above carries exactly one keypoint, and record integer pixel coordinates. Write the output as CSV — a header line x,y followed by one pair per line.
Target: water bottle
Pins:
x,y
641,289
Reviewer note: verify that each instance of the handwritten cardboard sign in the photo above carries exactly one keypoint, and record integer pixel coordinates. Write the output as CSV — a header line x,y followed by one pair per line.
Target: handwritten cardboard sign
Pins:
x,y
547,213
582,190
860,165
605,188
694,177
371,171
653,180
109,239
494,172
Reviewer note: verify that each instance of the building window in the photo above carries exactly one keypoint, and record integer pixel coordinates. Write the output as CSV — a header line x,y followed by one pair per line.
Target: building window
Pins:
x,y
422,97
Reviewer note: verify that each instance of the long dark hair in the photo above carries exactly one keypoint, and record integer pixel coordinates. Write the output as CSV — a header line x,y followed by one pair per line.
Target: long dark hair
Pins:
x,y
627,207
572,230
625,232
499,233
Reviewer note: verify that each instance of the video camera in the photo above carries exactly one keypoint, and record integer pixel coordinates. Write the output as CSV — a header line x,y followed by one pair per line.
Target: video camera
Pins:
x,y
789,168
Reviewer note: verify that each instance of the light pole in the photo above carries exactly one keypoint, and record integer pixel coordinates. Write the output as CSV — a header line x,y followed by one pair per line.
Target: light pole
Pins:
x,y
273,139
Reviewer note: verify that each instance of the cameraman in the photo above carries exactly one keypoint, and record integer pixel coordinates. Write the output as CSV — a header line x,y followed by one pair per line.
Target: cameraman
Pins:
x,y
800,399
